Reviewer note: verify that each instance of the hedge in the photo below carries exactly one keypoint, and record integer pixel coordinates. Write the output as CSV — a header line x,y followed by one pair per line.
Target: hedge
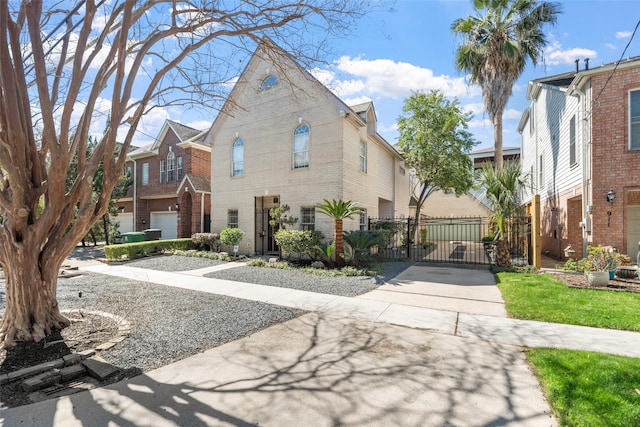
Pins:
x,y
143,249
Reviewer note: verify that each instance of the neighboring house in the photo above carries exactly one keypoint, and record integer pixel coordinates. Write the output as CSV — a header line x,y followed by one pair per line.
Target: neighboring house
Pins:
x,y
581,145
283,138
172,186
473,203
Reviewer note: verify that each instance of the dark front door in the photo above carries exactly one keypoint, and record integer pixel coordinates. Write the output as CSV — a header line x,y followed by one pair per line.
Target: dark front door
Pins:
x,y
265,232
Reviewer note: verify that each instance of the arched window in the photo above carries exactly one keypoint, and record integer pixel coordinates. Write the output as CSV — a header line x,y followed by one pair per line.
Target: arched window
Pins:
x,y
269,82
171,166
301,147
237,166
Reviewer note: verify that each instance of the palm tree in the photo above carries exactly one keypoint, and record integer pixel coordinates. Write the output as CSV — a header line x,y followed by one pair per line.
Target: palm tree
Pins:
x,y
339,210
496,44
502,189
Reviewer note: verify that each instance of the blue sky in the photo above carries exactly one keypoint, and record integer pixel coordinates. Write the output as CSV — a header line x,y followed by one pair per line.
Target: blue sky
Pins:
x,y
411,47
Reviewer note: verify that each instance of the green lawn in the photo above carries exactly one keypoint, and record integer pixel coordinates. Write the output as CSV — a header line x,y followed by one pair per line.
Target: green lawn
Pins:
x,y
541,297
583,388
589,389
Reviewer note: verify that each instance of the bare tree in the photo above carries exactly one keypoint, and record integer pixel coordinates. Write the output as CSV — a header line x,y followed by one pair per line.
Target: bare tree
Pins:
x,y
58,65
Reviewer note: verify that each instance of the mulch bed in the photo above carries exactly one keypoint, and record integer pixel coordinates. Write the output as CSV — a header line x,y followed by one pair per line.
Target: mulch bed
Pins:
x,y
577,280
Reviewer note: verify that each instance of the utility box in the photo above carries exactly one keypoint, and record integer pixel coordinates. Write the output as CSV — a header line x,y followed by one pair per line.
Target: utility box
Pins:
x,y
152,234
132,237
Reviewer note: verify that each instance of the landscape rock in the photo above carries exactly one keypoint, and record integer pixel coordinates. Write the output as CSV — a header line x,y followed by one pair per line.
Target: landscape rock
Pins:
x,y
99,368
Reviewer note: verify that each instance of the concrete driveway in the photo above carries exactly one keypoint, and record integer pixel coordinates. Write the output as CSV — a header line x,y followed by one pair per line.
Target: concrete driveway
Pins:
x,y
460,289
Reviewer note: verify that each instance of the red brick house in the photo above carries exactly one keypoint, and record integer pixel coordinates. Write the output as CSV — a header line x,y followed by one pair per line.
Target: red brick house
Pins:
x,y
581,145
172,187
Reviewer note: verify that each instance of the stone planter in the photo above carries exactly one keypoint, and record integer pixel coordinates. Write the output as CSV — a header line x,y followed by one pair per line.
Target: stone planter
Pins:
x,y
597,278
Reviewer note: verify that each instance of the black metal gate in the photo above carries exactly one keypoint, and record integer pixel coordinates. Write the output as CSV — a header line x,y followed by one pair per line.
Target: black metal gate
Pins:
x,y
450,240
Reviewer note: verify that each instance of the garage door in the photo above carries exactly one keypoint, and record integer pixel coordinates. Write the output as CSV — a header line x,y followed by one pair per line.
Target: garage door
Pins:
x,y
125,221
167,222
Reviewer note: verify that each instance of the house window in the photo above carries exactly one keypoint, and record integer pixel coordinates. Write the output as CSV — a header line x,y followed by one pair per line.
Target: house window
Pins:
x,y
532,116
308,218
237,166
363,156
402,171
179,168
301,147
171,166
572,141
634,115
145,173
363,220
162,170
541,172
269,82
128,171
531,179
232,218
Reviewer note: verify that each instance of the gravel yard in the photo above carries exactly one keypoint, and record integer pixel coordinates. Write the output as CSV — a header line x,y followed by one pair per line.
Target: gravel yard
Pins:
x,y
343,286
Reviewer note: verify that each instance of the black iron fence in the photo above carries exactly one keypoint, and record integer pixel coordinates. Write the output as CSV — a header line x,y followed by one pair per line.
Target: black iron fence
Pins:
x,y
450,240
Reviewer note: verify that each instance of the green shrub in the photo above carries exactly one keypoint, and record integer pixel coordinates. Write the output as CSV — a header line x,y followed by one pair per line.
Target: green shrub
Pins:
x,y
256,262
219,256
298,242
231,236
142,249
324,252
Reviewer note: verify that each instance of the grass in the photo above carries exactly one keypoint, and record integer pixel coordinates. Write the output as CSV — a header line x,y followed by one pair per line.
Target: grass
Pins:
x,y
543,298
589,389
583,388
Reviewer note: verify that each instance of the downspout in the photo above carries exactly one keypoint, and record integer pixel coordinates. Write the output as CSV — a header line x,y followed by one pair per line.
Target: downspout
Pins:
x,y
135,198
585,189
202,212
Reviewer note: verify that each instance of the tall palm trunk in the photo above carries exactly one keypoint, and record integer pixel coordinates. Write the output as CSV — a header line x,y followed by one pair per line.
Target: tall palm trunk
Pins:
x,y
497,138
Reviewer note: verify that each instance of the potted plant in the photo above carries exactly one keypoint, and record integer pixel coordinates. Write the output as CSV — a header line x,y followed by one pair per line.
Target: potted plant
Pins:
x,y
600,261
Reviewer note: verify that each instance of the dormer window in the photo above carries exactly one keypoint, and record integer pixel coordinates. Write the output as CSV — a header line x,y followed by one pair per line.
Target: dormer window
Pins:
x,y
269,82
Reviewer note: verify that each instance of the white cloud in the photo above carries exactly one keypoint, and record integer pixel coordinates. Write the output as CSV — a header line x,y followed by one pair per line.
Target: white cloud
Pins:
x,y
387,78
512,113
357,100
623,34
611,46
555,54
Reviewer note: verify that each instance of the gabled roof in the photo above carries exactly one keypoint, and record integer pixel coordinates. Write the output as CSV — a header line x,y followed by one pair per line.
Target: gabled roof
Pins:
x,y
184,133
200,184
266,48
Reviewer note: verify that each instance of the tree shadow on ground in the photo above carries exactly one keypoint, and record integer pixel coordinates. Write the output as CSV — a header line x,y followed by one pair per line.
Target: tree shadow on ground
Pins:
x,y
315,369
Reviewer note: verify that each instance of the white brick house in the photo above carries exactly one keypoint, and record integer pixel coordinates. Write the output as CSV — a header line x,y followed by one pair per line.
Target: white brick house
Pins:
x,y
283,138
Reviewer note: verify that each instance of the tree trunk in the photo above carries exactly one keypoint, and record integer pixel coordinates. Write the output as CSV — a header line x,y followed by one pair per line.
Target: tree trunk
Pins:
x,y
32,310
105,225
503,255
497,138
338,242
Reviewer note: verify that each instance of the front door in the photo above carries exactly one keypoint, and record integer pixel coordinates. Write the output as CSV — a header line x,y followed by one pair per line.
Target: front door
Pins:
x,y
265,232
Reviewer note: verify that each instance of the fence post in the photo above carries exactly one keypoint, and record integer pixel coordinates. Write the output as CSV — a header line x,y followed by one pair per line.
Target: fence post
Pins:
x,y
409,237
536,244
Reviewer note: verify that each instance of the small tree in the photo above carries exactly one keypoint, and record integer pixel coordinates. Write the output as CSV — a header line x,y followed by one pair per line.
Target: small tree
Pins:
x,y
231,237
339,210
280,218
435,142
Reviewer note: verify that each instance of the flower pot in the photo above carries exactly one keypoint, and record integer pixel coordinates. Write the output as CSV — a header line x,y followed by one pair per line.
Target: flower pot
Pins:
x,y
597,278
